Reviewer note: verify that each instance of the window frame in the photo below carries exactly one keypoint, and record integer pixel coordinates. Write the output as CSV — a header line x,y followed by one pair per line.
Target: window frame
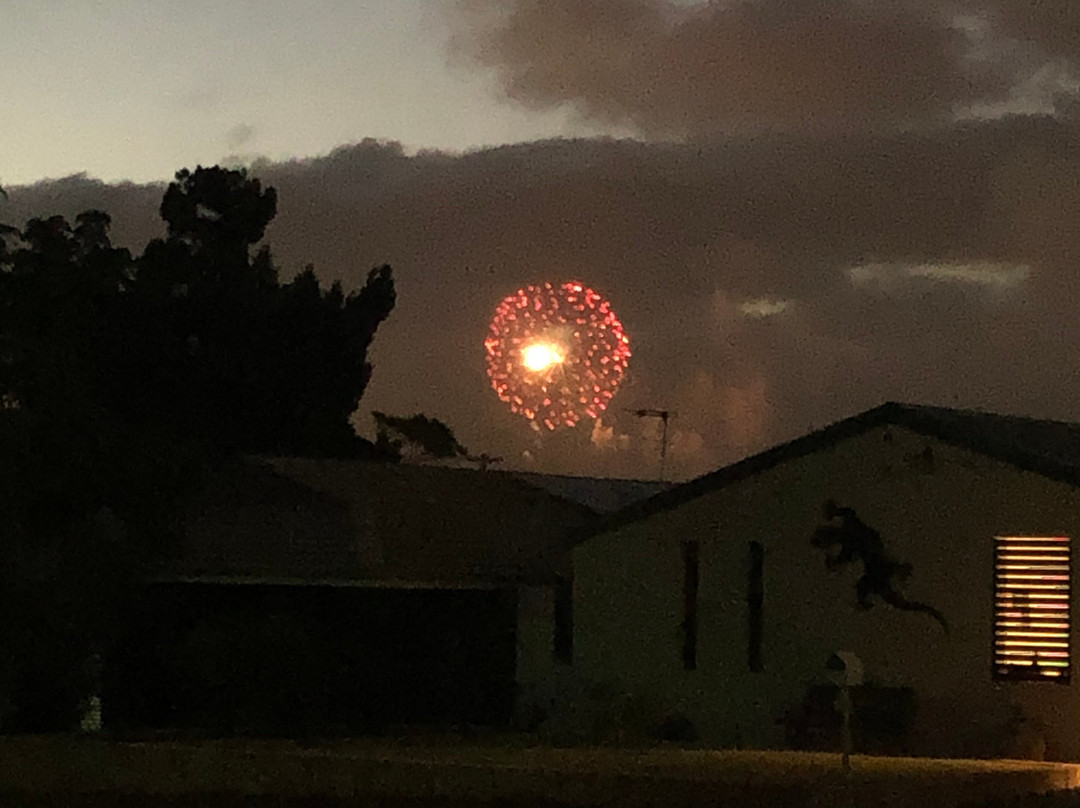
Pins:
x,y
1030,570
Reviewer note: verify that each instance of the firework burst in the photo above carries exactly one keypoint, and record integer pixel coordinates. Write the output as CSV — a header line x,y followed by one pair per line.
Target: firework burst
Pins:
x,y
556,354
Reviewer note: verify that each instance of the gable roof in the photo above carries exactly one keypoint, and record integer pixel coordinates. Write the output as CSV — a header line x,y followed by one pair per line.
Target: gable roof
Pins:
x,y
1048,448
306,520
604,495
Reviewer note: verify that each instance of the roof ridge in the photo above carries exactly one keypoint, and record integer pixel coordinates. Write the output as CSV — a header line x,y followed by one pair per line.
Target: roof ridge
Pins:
x,y
917,417
637,480
279,464
977,411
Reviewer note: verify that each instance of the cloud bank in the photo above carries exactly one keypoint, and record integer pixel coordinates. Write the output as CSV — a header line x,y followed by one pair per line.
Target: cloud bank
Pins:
x,y
824,206
669,69
735,266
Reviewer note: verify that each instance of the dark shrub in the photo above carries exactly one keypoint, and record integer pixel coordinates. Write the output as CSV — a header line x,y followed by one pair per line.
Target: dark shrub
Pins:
x,y
881,721
676,728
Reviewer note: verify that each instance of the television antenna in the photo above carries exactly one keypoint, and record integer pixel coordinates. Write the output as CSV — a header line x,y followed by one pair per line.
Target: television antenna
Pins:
x,y
664,416
483,460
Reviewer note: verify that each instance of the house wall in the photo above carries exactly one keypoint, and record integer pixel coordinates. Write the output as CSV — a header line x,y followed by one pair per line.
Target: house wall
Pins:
x,y
538,673
940,514
296,659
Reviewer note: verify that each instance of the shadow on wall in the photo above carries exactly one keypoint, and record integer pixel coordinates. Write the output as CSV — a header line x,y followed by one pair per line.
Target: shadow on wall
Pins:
x,y
887,721
895,721
997,728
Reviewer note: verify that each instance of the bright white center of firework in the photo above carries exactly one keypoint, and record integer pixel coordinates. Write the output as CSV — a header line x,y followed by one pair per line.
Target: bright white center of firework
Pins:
x,y
540,356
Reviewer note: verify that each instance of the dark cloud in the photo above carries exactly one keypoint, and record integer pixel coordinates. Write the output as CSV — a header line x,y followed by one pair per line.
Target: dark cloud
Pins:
x,y
683,239
678,69
672,69
1054,25
134,208
240,135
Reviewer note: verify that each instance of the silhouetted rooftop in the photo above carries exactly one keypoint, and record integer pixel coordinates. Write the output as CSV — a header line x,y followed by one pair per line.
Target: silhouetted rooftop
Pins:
x,y
1049,448
302,520
601,494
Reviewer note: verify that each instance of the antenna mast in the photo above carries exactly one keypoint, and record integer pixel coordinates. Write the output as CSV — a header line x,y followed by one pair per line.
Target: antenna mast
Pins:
x,y
664,416
483,460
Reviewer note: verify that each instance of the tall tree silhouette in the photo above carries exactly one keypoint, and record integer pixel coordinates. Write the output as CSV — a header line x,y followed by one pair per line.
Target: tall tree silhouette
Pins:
x,y
223,351
58,293
218,213
84,499
119,377
427,435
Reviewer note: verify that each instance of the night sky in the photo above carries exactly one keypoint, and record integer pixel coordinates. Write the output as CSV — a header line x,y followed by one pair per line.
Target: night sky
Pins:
x,y
798,210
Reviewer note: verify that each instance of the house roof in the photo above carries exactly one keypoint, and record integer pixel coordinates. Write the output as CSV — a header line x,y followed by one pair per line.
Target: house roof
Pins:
x,y
1049,448
604,495
304,520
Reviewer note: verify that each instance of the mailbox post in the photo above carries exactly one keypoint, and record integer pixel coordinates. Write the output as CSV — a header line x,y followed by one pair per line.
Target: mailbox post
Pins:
x,y
846,671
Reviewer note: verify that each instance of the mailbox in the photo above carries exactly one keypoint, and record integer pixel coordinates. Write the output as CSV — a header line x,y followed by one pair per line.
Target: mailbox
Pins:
x,y
845,669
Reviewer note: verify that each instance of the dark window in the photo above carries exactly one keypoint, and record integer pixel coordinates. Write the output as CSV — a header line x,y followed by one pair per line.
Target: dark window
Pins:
x,y
691,556
564,620
1032,595
755,597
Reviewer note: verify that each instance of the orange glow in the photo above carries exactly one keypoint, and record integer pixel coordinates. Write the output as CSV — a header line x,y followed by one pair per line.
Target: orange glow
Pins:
x,y
1057,635
540,356
1040,656
1032,538
1032,634
566,327
1028,587
1021,577
1022,644
1027,663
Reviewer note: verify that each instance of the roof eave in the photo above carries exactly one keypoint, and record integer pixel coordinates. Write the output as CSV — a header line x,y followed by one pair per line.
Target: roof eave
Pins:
x,y
889,413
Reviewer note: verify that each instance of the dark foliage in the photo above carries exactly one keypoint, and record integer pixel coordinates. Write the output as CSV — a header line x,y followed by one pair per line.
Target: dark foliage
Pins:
x,y
219,348
881,724
120,379
83,497
218,212
428,435
676,728
84,505
196,337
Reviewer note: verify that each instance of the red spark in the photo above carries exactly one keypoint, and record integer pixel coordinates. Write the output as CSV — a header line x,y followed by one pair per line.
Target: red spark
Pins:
x,y
581,333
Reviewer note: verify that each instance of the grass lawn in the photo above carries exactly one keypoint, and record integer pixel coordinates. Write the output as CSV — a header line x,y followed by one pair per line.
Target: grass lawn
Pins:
x,y
389,774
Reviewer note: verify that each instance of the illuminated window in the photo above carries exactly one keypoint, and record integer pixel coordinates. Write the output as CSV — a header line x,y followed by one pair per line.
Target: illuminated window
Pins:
x,y
1032,591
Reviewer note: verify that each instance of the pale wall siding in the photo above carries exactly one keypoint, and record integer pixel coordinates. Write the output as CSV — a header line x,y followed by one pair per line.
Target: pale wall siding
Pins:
x,y
941,518
537,672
